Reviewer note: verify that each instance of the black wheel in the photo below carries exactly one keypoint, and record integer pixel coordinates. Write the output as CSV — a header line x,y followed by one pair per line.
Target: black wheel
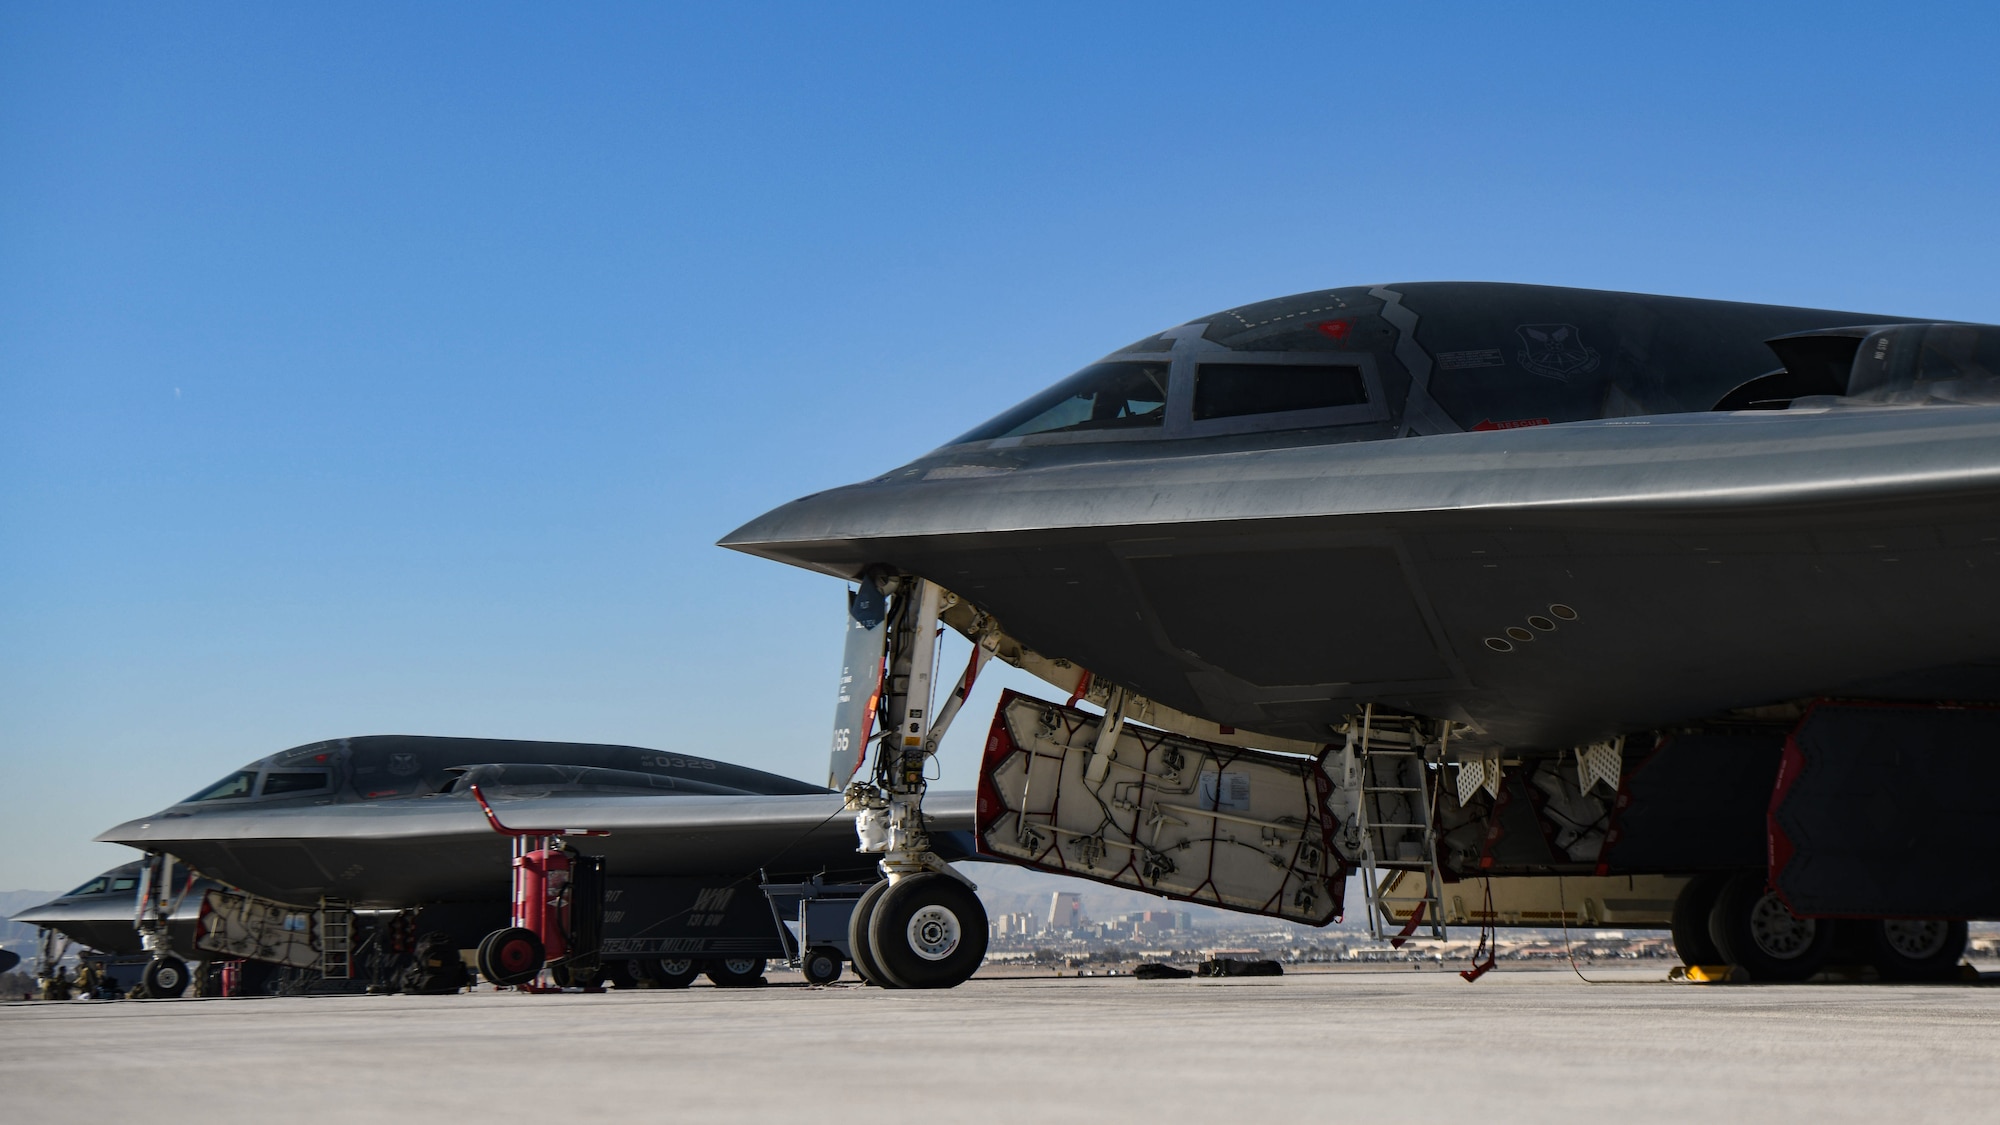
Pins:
x,y
668,972
821,965
434,968
736,972
1753,928
479,954
510,956
165,978
928,931
1691,910
1914,948
857,935
619,975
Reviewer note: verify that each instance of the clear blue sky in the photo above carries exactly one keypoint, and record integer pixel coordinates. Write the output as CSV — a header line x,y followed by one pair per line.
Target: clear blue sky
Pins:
x,y
393,369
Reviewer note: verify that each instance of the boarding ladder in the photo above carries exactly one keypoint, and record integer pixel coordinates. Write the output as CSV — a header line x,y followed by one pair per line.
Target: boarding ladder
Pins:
x,y
336,939
1397,787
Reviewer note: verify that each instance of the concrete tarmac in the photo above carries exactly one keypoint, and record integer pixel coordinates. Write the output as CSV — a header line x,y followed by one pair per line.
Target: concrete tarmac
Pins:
x,y
1389,1046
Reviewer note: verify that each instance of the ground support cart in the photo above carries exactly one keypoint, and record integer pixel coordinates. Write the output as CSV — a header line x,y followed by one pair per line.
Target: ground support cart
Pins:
x,y
821,911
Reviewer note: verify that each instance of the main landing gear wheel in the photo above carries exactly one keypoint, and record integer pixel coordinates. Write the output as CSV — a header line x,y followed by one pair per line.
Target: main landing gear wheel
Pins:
x,y
668,972
1914,949
511,956
928,931
1691,911
165,978
821,965
1753,928
737,972
857,935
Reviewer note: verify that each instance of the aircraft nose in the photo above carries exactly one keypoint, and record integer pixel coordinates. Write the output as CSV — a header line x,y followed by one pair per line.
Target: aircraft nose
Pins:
x,y
37,915
820,532
134,833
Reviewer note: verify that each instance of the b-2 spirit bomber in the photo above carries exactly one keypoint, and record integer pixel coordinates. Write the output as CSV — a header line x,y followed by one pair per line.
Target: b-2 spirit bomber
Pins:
x,y
1695,604
334,848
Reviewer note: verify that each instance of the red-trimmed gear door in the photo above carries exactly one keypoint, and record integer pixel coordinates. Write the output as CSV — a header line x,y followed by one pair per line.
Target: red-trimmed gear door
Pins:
x,y
860,683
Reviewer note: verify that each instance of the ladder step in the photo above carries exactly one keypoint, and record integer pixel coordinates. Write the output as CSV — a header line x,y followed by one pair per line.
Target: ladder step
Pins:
x,y
1401,741
336,934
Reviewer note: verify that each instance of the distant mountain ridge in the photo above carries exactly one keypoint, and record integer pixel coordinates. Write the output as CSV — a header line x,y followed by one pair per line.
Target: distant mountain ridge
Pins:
x,y
13,935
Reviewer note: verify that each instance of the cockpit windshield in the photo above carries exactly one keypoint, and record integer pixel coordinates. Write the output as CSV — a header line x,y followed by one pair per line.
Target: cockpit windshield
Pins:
x,y
1116,395
237,784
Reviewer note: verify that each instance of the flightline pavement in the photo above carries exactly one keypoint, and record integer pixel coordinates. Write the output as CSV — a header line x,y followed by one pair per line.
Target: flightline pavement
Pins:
x,y
1519,1045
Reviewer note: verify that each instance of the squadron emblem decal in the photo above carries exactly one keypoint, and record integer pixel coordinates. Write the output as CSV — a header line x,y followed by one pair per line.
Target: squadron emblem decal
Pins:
x,y
1555,351
403,765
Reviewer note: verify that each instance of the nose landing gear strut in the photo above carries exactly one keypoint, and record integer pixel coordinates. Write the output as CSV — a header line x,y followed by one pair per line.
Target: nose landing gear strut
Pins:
x,y
166,975
923,927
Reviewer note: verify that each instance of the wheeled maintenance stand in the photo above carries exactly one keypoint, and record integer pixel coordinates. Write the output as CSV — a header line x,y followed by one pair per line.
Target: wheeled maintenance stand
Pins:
x,y
922,926
823,913
558,910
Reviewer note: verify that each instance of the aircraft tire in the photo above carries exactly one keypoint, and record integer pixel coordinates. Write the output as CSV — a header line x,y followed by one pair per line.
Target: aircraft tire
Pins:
x,y
166,978
1754,930
928,931
1690,925
511,956
1914,949
821,965
736,972
858,939
667,972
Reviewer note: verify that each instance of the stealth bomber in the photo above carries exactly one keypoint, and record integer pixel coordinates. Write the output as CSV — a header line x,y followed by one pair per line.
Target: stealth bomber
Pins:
x,y
1476,580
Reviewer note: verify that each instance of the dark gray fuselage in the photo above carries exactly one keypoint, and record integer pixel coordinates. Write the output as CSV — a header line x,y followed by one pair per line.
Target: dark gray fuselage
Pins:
x,y
388,832
1277,579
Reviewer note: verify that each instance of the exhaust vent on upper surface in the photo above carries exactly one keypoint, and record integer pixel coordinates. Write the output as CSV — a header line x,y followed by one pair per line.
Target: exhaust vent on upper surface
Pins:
x,y
1879,365
1815,363
1928,363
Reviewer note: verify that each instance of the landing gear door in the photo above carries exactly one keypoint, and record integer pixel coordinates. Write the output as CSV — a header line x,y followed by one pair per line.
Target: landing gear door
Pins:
x,y
1242,829
242,925
860,682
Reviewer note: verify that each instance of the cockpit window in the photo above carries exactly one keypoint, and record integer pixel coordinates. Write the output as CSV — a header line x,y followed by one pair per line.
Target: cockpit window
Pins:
x,y
94,887
1232,390
294,781
1103,396
237,784
124,883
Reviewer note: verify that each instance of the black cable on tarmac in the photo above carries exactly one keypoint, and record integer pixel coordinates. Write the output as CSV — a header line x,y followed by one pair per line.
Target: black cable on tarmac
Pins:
x,y
1569,949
